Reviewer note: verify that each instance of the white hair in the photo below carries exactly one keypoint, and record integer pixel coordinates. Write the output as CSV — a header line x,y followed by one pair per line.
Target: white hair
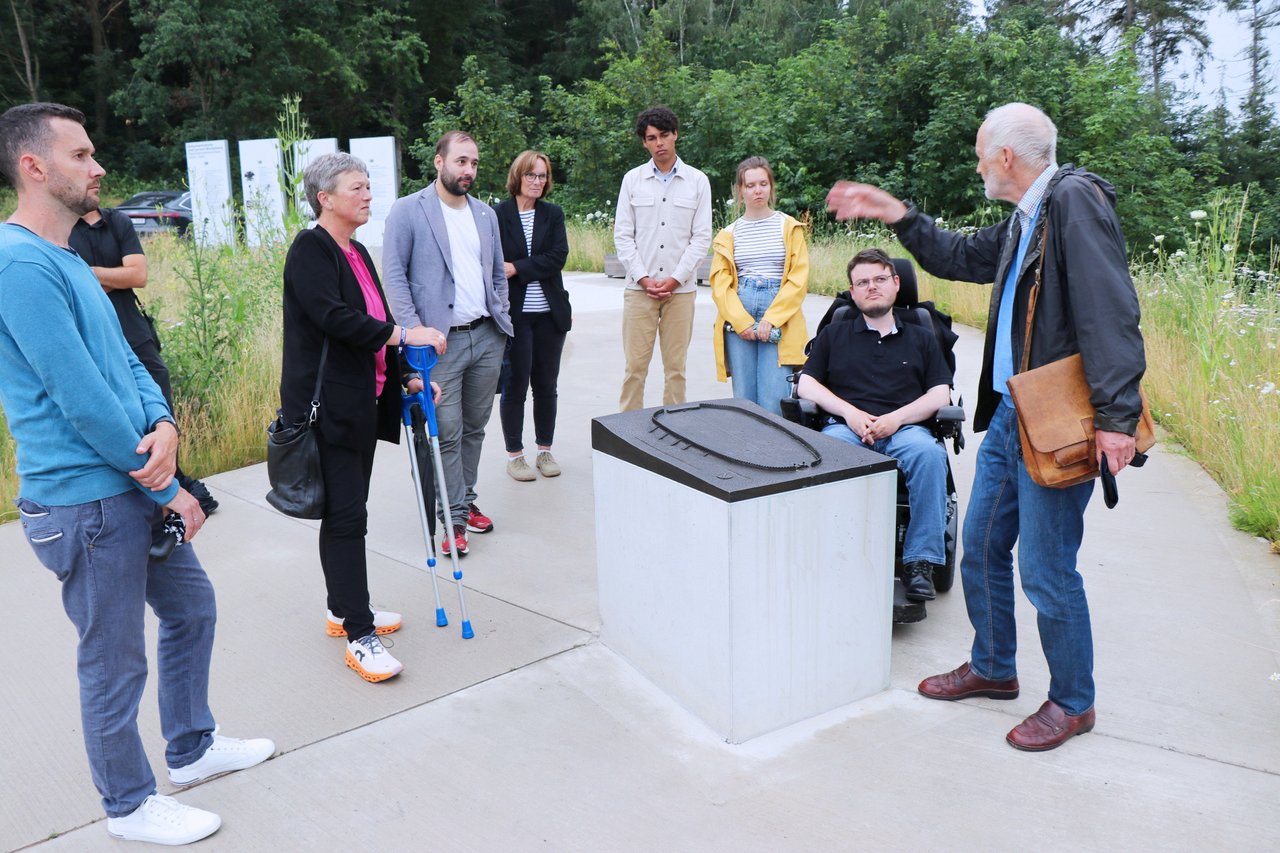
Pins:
x,y
1024,130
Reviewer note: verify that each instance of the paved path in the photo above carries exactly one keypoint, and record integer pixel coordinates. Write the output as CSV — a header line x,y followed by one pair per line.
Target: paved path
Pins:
x,y
534,736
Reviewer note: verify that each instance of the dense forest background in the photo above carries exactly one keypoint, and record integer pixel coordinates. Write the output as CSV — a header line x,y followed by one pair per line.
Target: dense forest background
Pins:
x,y
890,92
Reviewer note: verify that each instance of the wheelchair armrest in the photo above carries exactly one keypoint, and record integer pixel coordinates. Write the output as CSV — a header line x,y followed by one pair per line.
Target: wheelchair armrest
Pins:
x,y
949,420
803,412
950,414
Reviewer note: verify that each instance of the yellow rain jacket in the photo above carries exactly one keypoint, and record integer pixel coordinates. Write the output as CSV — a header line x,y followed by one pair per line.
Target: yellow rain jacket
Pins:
x,y
784,312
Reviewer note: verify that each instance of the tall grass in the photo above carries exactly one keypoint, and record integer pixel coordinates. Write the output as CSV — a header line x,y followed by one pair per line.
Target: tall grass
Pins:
x,y
589,241
218,314
1212,329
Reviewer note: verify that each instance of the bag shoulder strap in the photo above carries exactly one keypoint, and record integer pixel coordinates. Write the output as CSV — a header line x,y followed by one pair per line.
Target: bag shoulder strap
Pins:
x,y
315,393
1034,296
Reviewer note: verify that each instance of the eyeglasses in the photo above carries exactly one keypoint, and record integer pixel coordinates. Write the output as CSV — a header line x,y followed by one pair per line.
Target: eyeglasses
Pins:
x,y
535,176
878,281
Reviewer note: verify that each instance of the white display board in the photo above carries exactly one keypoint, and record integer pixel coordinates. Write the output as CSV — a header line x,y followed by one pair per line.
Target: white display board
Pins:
x,y
261,170
379,155
209,178
305,152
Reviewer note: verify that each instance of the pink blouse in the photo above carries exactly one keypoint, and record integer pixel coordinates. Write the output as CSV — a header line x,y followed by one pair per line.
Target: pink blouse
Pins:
x,y
373,305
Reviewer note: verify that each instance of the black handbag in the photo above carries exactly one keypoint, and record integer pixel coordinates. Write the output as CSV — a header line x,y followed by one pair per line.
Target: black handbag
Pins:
x,y
293,459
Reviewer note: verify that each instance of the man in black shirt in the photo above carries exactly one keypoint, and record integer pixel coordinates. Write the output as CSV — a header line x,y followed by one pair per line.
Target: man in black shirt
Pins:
x,y
105,238
878,379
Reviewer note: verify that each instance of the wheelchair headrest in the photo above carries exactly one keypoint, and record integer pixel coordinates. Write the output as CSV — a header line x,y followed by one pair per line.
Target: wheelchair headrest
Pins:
x,y
908,290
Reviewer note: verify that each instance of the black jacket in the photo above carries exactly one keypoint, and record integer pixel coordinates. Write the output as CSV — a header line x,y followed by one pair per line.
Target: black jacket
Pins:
x,y
550,250
1087,300
322,297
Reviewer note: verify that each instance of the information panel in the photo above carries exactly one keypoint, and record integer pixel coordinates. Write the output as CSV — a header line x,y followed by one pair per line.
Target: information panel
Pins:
x,y
304,152
379,154
261,168
209,177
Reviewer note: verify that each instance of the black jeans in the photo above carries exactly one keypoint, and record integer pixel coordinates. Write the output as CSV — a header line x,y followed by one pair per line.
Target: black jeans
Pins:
x,y
346,473
535,362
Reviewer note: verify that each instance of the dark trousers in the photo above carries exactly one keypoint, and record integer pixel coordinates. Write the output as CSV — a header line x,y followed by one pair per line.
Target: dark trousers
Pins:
x,y
346,473
535,362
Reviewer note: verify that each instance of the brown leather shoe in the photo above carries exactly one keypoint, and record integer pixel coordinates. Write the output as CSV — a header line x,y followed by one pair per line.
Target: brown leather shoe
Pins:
x,y
1049,728
963,683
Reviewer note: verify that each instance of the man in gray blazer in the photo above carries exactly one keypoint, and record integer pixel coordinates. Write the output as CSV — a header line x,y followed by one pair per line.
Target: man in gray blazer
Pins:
x,y
442,269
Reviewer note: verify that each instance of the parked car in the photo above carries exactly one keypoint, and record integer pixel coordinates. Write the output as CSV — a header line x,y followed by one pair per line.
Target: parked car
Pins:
x,y
158,211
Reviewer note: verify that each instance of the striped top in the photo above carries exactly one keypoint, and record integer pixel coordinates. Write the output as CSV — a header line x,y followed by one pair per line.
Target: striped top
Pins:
x,y
535,301
758,247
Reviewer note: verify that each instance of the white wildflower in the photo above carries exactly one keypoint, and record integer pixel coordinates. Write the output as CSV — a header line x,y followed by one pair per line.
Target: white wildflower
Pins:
x,y
1275,676
1159,238
1226,247
1197,215
1269,388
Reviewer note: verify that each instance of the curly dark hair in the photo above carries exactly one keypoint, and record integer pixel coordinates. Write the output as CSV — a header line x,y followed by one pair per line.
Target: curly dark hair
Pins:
x,y
659,117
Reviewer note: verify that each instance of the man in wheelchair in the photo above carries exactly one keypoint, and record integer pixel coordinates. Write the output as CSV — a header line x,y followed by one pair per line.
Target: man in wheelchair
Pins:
x,y
877,379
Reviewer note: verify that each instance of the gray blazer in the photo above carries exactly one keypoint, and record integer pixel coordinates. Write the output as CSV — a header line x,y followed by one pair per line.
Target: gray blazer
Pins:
x,y
416,261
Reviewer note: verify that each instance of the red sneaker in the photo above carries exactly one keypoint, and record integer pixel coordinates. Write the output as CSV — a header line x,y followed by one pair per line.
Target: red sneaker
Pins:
x,y
477,521
459,539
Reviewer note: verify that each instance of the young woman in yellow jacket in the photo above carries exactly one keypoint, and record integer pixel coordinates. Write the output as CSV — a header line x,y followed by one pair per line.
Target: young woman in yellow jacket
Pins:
x,y
759,278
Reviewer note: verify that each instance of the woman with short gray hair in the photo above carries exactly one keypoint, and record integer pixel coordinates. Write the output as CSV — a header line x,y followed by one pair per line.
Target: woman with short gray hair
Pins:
x,y
336,319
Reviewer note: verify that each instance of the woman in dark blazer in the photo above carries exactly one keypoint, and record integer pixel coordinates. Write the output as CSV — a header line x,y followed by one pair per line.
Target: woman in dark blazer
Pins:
x,y
331,291
535,247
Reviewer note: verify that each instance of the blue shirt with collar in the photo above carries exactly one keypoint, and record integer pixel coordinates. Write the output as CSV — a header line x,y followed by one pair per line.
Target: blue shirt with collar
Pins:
x,y
1028,211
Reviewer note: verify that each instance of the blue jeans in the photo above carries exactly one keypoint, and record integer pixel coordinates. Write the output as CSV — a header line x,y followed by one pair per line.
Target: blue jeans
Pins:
x,y
1048,525
467,374
753,365
923,461
98,551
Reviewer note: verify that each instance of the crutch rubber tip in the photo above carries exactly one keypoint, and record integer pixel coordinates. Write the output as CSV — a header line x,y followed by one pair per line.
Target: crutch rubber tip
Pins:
x,y
431,562
441,619
457,575
467,633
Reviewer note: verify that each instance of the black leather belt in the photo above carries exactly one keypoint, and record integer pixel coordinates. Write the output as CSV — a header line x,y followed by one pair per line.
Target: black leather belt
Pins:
x,y
474,324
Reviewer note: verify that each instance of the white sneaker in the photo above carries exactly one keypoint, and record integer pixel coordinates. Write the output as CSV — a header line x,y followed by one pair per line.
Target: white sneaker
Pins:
x,y
164,820
384,622
371,660
224,755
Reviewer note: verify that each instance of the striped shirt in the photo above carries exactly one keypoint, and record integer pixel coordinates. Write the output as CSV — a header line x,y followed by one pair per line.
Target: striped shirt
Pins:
x,y
758,247
535,301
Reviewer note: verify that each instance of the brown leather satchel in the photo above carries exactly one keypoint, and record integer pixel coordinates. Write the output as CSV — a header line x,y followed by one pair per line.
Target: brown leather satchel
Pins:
x,y
1055,416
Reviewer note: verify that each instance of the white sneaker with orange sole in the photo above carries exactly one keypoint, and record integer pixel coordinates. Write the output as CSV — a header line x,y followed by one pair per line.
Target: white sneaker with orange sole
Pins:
x,y
384,622
371,660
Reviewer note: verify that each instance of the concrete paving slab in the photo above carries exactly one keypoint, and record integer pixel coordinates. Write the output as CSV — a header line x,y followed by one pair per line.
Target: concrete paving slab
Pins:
x,y
534,736
496,767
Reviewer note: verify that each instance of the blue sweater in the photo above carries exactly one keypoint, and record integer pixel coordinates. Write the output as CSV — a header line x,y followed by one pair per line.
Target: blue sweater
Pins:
x,y
77,399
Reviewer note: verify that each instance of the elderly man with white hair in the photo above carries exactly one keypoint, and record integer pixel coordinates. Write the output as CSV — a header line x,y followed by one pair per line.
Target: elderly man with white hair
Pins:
x,y
1063,230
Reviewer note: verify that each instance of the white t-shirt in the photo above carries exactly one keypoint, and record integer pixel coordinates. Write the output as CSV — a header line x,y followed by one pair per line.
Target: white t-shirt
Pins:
x,y
464,255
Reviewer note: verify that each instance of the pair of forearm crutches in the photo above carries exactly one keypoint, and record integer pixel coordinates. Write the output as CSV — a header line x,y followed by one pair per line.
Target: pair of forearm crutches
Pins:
x,y
419,413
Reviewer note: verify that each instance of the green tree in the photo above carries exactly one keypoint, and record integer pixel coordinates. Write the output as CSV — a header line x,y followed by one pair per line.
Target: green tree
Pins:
x,y
497,118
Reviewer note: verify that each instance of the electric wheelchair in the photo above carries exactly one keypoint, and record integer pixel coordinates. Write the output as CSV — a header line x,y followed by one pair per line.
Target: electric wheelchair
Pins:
x,y
946,425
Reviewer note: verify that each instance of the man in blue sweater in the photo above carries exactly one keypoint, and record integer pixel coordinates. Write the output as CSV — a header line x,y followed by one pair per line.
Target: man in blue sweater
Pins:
x,y
96,449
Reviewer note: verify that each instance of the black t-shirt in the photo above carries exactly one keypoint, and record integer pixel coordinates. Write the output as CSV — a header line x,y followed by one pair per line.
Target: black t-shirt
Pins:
x,y
105,244
877,374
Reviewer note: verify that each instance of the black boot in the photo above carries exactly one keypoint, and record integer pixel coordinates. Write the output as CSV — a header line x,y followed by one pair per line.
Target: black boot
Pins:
x,y
918,578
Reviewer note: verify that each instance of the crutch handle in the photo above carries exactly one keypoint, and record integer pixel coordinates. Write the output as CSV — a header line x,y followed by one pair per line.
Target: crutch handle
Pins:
x,y
421,359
